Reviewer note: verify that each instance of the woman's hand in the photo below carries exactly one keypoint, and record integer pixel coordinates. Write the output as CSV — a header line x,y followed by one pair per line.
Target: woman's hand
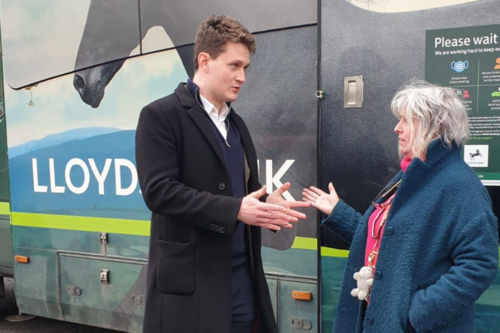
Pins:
x,y
325,202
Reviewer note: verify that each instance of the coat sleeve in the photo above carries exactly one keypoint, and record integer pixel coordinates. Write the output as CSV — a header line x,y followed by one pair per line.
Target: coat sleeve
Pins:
x,y
475,264
342,221
159,177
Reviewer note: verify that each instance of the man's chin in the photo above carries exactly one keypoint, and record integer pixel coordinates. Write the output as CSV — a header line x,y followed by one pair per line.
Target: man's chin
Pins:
x,y
232,98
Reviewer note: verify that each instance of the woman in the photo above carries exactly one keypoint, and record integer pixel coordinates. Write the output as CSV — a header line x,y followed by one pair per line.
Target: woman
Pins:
x,y
429,239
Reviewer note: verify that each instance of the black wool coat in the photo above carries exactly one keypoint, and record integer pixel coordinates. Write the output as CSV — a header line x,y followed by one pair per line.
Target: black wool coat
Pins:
x,y
185,184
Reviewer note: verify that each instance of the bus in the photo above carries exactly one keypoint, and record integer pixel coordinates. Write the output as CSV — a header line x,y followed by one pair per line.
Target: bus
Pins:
x,y
74,230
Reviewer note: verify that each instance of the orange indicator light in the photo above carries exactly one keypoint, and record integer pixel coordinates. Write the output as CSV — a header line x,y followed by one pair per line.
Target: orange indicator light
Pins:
x,y
301,295
21,259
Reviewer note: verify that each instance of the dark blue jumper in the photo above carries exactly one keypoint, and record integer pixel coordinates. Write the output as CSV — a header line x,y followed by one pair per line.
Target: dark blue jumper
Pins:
x,y
242,284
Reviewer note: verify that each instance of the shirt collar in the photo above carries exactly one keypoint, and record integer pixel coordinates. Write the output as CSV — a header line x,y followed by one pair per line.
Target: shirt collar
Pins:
x,y
211,109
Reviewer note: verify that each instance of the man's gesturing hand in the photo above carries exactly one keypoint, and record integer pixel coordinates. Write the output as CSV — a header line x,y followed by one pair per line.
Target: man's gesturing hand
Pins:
x,y
265,215
277,199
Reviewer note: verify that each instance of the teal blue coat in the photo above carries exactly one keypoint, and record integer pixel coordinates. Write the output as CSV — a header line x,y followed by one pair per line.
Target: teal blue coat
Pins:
x,y
438,254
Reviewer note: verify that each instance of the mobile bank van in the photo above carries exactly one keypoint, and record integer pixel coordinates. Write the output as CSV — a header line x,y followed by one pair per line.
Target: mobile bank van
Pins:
x,y
74,230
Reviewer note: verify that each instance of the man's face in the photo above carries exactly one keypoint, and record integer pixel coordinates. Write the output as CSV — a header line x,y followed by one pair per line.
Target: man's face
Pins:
x,y
226,74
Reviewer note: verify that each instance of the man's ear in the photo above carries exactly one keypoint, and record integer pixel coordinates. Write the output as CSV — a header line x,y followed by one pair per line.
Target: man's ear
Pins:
x,y
203,61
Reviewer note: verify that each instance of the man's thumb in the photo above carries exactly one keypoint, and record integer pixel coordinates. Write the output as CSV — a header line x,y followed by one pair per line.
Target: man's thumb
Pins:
x,y
257,194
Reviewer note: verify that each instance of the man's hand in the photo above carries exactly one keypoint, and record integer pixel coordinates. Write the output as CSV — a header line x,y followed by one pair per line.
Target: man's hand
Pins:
x,y
277,199
265,215
325,202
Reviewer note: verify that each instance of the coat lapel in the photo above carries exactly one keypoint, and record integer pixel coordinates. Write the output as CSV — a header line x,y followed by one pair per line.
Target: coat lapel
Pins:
x,y
196,113
246,139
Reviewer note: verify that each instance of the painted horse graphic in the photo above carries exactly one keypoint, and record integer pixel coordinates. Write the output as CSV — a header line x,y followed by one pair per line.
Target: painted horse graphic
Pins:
x,y
477,153
114,28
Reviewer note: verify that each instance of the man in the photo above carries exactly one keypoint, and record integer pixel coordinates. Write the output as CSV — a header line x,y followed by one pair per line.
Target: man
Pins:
x,y
196,164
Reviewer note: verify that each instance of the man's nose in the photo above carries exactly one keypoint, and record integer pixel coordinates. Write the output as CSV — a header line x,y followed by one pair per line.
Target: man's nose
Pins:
x,y
241,76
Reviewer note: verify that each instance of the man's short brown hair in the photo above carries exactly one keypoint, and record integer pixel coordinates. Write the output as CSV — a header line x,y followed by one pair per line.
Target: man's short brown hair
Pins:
x,y
215,32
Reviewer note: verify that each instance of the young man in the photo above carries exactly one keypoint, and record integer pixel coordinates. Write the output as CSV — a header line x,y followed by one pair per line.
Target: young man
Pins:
x,y
197,168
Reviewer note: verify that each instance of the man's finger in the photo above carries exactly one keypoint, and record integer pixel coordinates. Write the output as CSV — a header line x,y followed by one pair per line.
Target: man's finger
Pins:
x,y
295,204
271,227
279,218
276,218
270,207
296,214
283,188
331,188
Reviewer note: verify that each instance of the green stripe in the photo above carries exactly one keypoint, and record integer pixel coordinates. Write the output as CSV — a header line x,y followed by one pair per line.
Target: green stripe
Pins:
x,y
128,227
306,243
329,252
81,223
4,208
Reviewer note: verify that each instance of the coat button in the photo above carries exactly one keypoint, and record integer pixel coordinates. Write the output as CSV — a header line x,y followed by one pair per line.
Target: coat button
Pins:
x,y
222,230
369,320
217,228
390,230
212,226
378,275
222,186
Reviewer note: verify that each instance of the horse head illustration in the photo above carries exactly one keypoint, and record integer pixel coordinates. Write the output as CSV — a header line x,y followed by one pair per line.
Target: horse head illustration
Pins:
x,y
114,28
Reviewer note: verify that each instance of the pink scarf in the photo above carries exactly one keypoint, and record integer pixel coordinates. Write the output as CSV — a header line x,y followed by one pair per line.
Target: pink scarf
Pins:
x,y
370,241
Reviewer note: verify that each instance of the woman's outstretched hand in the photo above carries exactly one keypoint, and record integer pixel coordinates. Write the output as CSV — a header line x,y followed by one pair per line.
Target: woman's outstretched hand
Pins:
x,y
325,202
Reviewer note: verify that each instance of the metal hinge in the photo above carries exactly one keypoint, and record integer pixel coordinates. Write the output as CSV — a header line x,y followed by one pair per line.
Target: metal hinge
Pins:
x,y
301,324
74,291
104,276
320,94
104,238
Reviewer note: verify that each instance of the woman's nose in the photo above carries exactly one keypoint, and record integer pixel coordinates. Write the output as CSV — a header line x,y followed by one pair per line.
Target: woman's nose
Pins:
x,y
397,129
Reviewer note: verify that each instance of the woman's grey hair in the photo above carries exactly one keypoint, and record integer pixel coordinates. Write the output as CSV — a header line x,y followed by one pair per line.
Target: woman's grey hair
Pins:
x,y
438,111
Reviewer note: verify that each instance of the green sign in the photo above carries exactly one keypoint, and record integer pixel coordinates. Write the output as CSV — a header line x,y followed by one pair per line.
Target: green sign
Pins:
x,y
468,60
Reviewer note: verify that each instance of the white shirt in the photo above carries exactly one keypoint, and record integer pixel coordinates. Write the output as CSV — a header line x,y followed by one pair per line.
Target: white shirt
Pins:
x,y
213,113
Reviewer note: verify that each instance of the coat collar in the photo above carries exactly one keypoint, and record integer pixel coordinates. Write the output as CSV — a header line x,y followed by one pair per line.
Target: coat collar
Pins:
x,y
419,175
438,156
196,112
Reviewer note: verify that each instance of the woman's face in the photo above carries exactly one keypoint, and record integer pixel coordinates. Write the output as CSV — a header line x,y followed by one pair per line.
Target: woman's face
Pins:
x,y
402,129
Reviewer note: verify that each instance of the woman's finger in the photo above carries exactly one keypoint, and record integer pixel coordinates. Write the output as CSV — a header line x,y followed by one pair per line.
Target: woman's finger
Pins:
x,y
316,190
313,203
331,188
308,196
